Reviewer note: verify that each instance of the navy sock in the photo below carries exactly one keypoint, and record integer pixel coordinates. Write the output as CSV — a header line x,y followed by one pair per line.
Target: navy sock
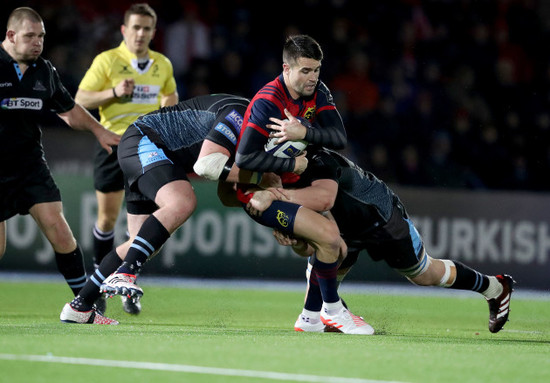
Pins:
x,y
90,292
149,239
103,243
327,278
469,279
71,266
314,299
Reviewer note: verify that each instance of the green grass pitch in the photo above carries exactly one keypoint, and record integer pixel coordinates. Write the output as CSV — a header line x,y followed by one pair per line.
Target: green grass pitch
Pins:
x,y
246,335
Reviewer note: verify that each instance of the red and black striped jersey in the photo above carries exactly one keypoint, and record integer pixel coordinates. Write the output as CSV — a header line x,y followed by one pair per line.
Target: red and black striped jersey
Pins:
x,y
317,112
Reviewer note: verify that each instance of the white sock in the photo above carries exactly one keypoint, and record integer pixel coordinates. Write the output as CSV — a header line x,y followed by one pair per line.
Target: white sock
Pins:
x,y
312,317
494,290
333,308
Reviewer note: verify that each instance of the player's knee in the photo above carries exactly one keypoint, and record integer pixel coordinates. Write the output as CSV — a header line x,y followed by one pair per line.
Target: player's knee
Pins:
x,y
421,273
439,273
182,210
106,223
60,236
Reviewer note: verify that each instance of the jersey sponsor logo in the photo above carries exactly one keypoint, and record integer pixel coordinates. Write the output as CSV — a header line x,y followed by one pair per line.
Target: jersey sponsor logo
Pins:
x,y
282,218
310,113
125,70
21,103
145,94
149,153
226,131
235,119
5,84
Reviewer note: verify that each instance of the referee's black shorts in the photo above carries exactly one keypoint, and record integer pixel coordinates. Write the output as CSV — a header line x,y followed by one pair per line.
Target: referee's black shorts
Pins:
x,y
108,176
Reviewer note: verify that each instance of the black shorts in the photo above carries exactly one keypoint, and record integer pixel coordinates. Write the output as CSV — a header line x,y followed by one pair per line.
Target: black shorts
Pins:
x,y
19,194
147,167
108,176
397,241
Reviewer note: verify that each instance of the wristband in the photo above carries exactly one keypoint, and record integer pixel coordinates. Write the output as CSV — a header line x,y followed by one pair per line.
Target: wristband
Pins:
x,y
114,93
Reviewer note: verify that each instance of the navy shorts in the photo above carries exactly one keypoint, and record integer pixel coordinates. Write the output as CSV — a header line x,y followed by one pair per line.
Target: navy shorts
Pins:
x,y
18,194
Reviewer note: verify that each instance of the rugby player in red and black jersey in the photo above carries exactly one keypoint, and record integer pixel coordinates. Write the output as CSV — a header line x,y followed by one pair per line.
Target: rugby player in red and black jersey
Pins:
x,y
298,106
299,96
29,86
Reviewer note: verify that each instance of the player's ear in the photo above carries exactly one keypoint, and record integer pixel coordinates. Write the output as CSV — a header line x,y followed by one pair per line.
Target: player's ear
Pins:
x,y
123,29
286,67
10,35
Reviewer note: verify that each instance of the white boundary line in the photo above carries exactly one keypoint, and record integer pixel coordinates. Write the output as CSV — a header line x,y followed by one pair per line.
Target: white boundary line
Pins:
x,y
281,376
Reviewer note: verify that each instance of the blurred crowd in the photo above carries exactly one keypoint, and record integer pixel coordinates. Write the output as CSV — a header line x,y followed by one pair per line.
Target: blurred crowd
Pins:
x,y
442,93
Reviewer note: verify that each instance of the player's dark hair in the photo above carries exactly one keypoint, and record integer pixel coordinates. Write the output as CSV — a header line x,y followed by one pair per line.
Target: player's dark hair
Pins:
x,y
301,46
143,9
23,13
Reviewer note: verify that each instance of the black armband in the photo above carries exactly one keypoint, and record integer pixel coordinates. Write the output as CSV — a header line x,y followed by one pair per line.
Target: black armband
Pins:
x,y
226,170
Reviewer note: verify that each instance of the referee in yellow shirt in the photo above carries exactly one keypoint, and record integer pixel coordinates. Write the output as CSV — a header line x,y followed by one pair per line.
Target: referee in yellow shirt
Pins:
x,y
124,83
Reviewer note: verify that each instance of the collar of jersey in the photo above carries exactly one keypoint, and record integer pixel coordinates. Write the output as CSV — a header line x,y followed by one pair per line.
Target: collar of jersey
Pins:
x,y
124,49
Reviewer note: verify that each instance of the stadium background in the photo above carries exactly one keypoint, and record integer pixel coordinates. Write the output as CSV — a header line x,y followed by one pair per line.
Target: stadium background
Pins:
x,y
447,101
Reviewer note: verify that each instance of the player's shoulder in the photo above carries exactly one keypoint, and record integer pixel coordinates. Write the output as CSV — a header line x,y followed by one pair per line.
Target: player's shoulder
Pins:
x,y
41,61
328,157
324,91
45,65
273,90
270,100
159,57
109,55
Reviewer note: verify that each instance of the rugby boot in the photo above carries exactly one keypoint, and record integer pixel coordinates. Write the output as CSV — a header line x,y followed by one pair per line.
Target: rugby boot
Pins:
x,y
499,307
344,321
93,316
121,284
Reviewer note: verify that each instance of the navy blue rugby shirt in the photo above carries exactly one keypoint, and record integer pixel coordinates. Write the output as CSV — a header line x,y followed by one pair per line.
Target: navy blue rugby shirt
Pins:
x,y
23,100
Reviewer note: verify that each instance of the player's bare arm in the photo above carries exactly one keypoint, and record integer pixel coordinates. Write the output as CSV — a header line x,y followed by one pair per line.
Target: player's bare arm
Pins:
x,y
169,99
79,118
320,196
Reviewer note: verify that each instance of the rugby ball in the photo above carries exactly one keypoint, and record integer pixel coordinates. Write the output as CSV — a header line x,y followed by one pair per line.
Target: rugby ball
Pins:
x,y
287,149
